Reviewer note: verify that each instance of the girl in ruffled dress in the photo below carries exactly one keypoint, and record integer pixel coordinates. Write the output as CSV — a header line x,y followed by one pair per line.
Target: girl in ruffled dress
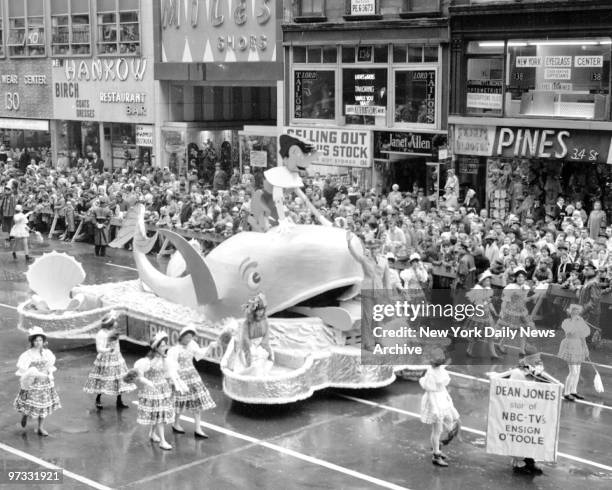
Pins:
x,y
37,397
437,407
197,398
155,399
109,368
513,313
482,295
574,350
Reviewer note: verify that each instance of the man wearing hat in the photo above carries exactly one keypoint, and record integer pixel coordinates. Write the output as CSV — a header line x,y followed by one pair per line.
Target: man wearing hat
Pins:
x,y
297,155
375,278
562,264
101,216
529,368
8,201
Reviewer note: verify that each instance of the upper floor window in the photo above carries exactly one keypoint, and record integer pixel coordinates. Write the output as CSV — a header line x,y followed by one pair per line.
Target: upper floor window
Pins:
x,y
70,28
1,30
26,28
539,78
558,77
118,27
311,8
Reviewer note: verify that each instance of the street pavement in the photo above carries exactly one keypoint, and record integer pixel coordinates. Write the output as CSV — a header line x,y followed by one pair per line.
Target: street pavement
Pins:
x,y
338,439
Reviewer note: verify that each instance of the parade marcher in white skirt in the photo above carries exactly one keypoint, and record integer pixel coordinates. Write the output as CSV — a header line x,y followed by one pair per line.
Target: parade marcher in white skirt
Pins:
x,y
37,397
20,232
513,313
180,361
155,400
574,350
106,376
437,407
481,295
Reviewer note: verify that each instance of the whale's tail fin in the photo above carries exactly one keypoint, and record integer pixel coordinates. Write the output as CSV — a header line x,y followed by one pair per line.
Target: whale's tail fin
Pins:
x,y
196,289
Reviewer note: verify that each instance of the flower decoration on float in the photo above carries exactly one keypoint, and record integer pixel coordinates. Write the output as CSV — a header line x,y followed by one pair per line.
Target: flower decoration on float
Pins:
x,y
255,303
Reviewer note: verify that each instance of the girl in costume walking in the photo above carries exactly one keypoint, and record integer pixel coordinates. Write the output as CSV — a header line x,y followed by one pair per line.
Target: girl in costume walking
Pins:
x,y
20,232
437,407
513,313
481,295
574,350
37,397
197,398
155,400
109,368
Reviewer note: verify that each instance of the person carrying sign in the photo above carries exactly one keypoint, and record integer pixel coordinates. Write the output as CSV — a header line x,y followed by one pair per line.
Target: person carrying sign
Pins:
x,y
530,368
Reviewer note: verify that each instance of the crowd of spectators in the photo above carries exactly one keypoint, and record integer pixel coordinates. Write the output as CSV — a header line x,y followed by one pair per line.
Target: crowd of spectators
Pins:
x,y
552,244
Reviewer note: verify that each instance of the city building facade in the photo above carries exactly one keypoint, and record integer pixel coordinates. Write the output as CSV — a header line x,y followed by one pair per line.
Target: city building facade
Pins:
x,y
77,76
366,81
220,69
530,102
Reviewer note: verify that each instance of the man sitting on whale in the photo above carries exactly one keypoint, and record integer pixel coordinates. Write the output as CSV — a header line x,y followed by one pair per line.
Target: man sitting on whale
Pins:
x,y
297,155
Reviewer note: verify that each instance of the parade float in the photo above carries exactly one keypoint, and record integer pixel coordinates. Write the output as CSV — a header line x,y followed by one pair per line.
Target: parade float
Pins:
x,y
316,346
306,272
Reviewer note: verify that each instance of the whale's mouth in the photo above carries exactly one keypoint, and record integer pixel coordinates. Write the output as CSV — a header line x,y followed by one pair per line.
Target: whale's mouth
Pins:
x,y
327,298
334,307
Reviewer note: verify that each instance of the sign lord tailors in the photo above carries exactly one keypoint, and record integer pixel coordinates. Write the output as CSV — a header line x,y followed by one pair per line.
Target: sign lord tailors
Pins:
x,y
524,419
338,147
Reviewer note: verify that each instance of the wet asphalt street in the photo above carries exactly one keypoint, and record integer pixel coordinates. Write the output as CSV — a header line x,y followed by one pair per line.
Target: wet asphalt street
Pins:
x,y
335,440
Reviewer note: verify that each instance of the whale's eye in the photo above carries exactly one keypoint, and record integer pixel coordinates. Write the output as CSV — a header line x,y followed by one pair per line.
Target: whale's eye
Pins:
x,y
254,280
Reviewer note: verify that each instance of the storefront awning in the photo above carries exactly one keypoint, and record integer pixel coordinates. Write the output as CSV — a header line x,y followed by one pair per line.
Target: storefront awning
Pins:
x,y
27,124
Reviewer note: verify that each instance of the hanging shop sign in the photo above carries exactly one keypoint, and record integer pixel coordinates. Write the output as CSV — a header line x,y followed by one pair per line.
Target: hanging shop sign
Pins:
x,y
484,94
363,7
365,92
218,30
338,147
25,89
404,142
144,135
511,142
113,90
524,419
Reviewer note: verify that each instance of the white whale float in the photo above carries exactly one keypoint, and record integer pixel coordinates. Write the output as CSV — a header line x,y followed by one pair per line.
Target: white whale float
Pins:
x,y
304,263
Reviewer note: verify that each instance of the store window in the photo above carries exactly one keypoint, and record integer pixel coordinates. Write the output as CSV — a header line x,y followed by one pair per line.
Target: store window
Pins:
x,y
314,94
26,35
364,95
70,28
485,67
415,97
558,78
123,143
118,27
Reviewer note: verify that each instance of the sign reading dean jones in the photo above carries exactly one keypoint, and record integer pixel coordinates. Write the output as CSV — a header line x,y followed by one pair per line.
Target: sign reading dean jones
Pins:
x,y
338,147
111,90
218,30
524,419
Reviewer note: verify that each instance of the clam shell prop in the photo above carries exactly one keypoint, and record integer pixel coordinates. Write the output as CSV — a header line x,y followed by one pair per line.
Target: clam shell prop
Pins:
x,y
53,276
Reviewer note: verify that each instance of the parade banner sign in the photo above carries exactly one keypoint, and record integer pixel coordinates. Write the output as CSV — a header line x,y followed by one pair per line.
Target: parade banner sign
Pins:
x,y
338,147
524,419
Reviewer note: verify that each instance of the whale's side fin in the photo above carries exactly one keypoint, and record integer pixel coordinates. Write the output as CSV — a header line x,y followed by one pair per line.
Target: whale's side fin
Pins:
x,y
203,280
